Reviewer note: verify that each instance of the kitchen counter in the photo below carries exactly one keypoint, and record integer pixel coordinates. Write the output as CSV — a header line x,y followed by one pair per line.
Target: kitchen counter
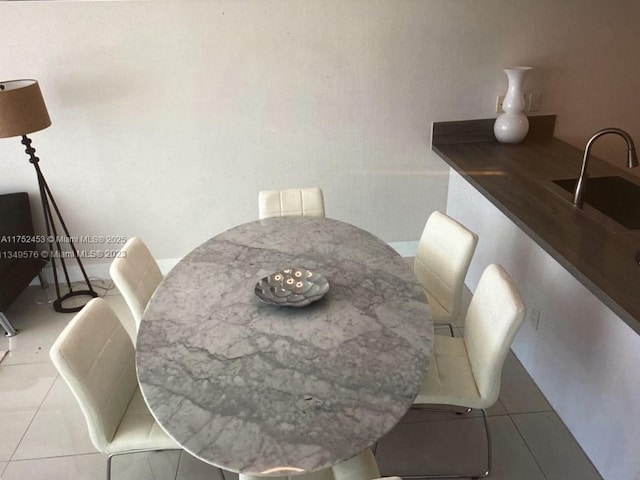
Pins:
x,y
517,179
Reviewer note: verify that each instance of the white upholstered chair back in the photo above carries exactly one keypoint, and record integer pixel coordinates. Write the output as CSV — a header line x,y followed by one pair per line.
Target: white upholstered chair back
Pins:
x,y
441,263
307,202
494,316
137,275
466,371
361,467
95,357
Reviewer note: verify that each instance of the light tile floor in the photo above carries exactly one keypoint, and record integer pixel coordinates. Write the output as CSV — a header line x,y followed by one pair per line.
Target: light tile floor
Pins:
x,y
43,433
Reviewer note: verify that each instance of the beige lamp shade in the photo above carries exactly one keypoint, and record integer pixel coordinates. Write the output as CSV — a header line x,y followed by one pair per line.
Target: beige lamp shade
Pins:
x,y
22,108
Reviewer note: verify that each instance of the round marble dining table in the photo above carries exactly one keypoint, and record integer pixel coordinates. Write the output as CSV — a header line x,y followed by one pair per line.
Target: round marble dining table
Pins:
x,y
271,390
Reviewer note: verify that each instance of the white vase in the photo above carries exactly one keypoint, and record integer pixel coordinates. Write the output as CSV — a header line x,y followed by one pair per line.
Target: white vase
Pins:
x,y
512,126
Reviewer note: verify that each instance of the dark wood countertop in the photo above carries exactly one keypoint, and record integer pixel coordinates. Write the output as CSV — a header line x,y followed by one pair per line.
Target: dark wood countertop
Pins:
x,y
517,179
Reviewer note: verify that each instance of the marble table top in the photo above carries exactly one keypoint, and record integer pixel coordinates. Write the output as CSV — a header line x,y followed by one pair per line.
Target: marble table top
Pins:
x,y
270,390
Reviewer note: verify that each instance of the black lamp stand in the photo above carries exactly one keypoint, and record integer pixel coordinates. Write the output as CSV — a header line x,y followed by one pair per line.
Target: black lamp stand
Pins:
x,y
56,254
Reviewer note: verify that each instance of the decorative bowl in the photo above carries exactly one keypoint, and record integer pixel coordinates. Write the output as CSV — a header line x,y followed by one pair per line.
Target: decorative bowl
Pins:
x,y
292,287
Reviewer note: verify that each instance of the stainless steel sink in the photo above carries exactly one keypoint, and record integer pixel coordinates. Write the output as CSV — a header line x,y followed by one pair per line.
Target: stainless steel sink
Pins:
x,y
616,197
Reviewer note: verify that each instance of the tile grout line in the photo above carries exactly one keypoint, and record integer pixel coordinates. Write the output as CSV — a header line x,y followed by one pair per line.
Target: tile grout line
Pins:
x,y
178,465
453,419
47,362
44,458
31,421
57,456
535,459
532,411
573,439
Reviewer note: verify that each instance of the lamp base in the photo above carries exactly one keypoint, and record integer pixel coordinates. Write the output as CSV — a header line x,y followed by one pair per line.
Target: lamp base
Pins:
x,y
58,307
56,253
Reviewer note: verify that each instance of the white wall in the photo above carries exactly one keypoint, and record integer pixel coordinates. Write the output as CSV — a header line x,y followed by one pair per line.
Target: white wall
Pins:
x,y
581,355
169,117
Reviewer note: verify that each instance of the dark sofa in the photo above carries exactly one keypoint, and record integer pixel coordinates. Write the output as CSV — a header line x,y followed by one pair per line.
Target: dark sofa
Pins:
x,y
17,266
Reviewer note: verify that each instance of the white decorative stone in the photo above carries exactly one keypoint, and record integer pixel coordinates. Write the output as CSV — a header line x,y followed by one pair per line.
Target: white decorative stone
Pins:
x,y
256,388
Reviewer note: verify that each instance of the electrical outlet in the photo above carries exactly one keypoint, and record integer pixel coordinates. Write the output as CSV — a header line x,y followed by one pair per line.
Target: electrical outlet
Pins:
x,y
534,102
530,100
534,316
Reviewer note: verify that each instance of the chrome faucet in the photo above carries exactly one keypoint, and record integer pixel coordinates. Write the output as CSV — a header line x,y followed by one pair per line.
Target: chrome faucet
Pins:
x,y
632,161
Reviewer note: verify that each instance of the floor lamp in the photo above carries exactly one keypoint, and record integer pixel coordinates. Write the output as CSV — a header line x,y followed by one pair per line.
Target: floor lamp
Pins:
x,y
22,111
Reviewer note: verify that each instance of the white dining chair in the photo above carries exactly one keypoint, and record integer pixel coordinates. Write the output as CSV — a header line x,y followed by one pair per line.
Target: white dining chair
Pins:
x,y
306,202
96,358
361,467
442,259
137,275
465,372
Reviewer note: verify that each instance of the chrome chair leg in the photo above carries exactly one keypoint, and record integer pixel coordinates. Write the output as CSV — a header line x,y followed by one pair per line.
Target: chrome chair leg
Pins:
x,y
432,408
489,450
111,455
109,465
461,475
464,412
